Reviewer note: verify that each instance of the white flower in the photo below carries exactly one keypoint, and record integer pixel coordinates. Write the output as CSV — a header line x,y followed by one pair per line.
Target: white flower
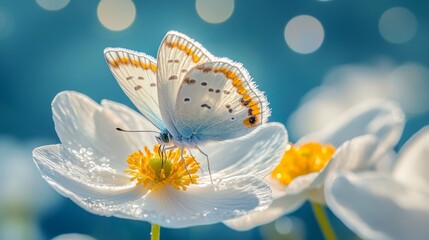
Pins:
x,y
350,84
90,167
387,206
351,142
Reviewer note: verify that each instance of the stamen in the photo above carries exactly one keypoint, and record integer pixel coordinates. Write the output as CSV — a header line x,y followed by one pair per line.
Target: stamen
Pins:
x,y
154,171
302,160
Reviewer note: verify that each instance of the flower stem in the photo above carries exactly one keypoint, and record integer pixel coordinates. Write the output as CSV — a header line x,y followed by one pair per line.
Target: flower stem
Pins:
x,y
323,221
155,232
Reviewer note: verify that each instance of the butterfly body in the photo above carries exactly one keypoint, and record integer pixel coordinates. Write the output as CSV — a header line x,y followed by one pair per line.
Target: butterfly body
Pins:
x,y
191,96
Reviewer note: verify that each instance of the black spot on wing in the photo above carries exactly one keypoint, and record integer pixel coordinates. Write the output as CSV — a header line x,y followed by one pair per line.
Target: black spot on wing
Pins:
x,y
206,106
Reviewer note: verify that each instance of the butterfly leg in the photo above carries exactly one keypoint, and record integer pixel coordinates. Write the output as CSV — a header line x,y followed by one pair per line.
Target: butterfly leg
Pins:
x,y
190,153
184,163
208,162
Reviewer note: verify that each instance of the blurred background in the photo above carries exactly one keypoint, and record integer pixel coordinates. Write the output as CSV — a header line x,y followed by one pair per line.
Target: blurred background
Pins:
x,y
314,59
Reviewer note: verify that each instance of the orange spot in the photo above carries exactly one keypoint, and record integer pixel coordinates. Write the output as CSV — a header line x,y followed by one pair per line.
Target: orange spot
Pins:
x,y
252,103
241,90
237,82
145,66
113,64
124,60
135,63
246,97
153,67
195,58
231,75
248,123
256,110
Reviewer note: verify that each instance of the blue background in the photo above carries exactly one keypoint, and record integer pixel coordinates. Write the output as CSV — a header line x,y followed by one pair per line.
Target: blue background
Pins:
x,y
50,51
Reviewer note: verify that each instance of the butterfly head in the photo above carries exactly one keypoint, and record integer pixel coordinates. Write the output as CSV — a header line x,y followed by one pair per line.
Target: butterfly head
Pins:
x,y
164,138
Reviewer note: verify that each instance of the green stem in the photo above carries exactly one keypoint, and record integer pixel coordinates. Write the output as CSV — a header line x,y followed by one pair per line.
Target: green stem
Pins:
x,y
323,221
155,232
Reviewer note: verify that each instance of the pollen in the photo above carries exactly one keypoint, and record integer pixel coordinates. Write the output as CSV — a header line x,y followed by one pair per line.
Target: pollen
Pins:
x,y
302,160
154,172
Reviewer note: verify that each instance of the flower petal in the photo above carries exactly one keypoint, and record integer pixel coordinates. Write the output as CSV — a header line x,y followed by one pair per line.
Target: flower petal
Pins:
x,y
378,207
255,154
83,125
380,118
357,154
278,208
199,204
412,167
80,179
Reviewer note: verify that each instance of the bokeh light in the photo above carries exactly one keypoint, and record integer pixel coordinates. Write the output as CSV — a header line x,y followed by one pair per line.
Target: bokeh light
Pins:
x,y
116,15
6,24
283,225
73,236
214,11
285,228
53,5
397,25
304,34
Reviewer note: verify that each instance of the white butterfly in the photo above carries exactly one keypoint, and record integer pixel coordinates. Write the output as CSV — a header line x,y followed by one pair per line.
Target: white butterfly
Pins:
x,y
191,96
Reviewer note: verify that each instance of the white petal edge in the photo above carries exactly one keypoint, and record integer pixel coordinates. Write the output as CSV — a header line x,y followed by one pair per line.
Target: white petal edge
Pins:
x,y
80,180
377,207
357,154
255,154
378,117
199,204
277,209
84,125
412,167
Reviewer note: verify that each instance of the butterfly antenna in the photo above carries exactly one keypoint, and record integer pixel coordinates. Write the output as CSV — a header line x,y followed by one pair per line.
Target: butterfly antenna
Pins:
x,y
122,130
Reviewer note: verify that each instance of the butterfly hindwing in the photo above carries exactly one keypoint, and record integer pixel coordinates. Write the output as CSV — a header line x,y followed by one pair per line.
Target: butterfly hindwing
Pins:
x,y
177,55
218,101
136,74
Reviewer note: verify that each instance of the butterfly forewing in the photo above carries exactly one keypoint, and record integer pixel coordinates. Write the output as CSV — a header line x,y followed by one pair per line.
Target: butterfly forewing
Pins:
x,y
218,101
136,74
177,55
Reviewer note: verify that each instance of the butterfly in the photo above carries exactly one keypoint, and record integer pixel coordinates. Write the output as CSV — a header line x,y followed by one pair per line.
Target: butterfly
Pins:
x,y
190,95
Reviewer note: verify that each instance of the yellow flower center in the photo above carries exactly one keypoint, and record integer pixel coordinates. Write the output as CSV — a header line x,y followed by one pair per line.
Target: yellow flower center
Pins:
x,y
154,172
302,160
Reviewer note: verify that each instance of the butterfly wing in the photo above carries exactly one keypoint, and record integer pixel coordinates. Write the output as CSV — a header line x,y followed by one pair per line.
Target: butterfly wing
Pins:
x,y
136,74
176,56
219,101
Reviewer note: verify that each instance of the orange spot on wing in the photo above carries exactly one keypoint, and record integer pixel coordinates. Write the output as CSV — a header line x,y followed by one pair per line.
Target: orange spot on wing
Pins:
x,y
135,63
237,82
153,67
195,58
124,60
250,124
113,64
231,75
246,97
145,66
241,90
